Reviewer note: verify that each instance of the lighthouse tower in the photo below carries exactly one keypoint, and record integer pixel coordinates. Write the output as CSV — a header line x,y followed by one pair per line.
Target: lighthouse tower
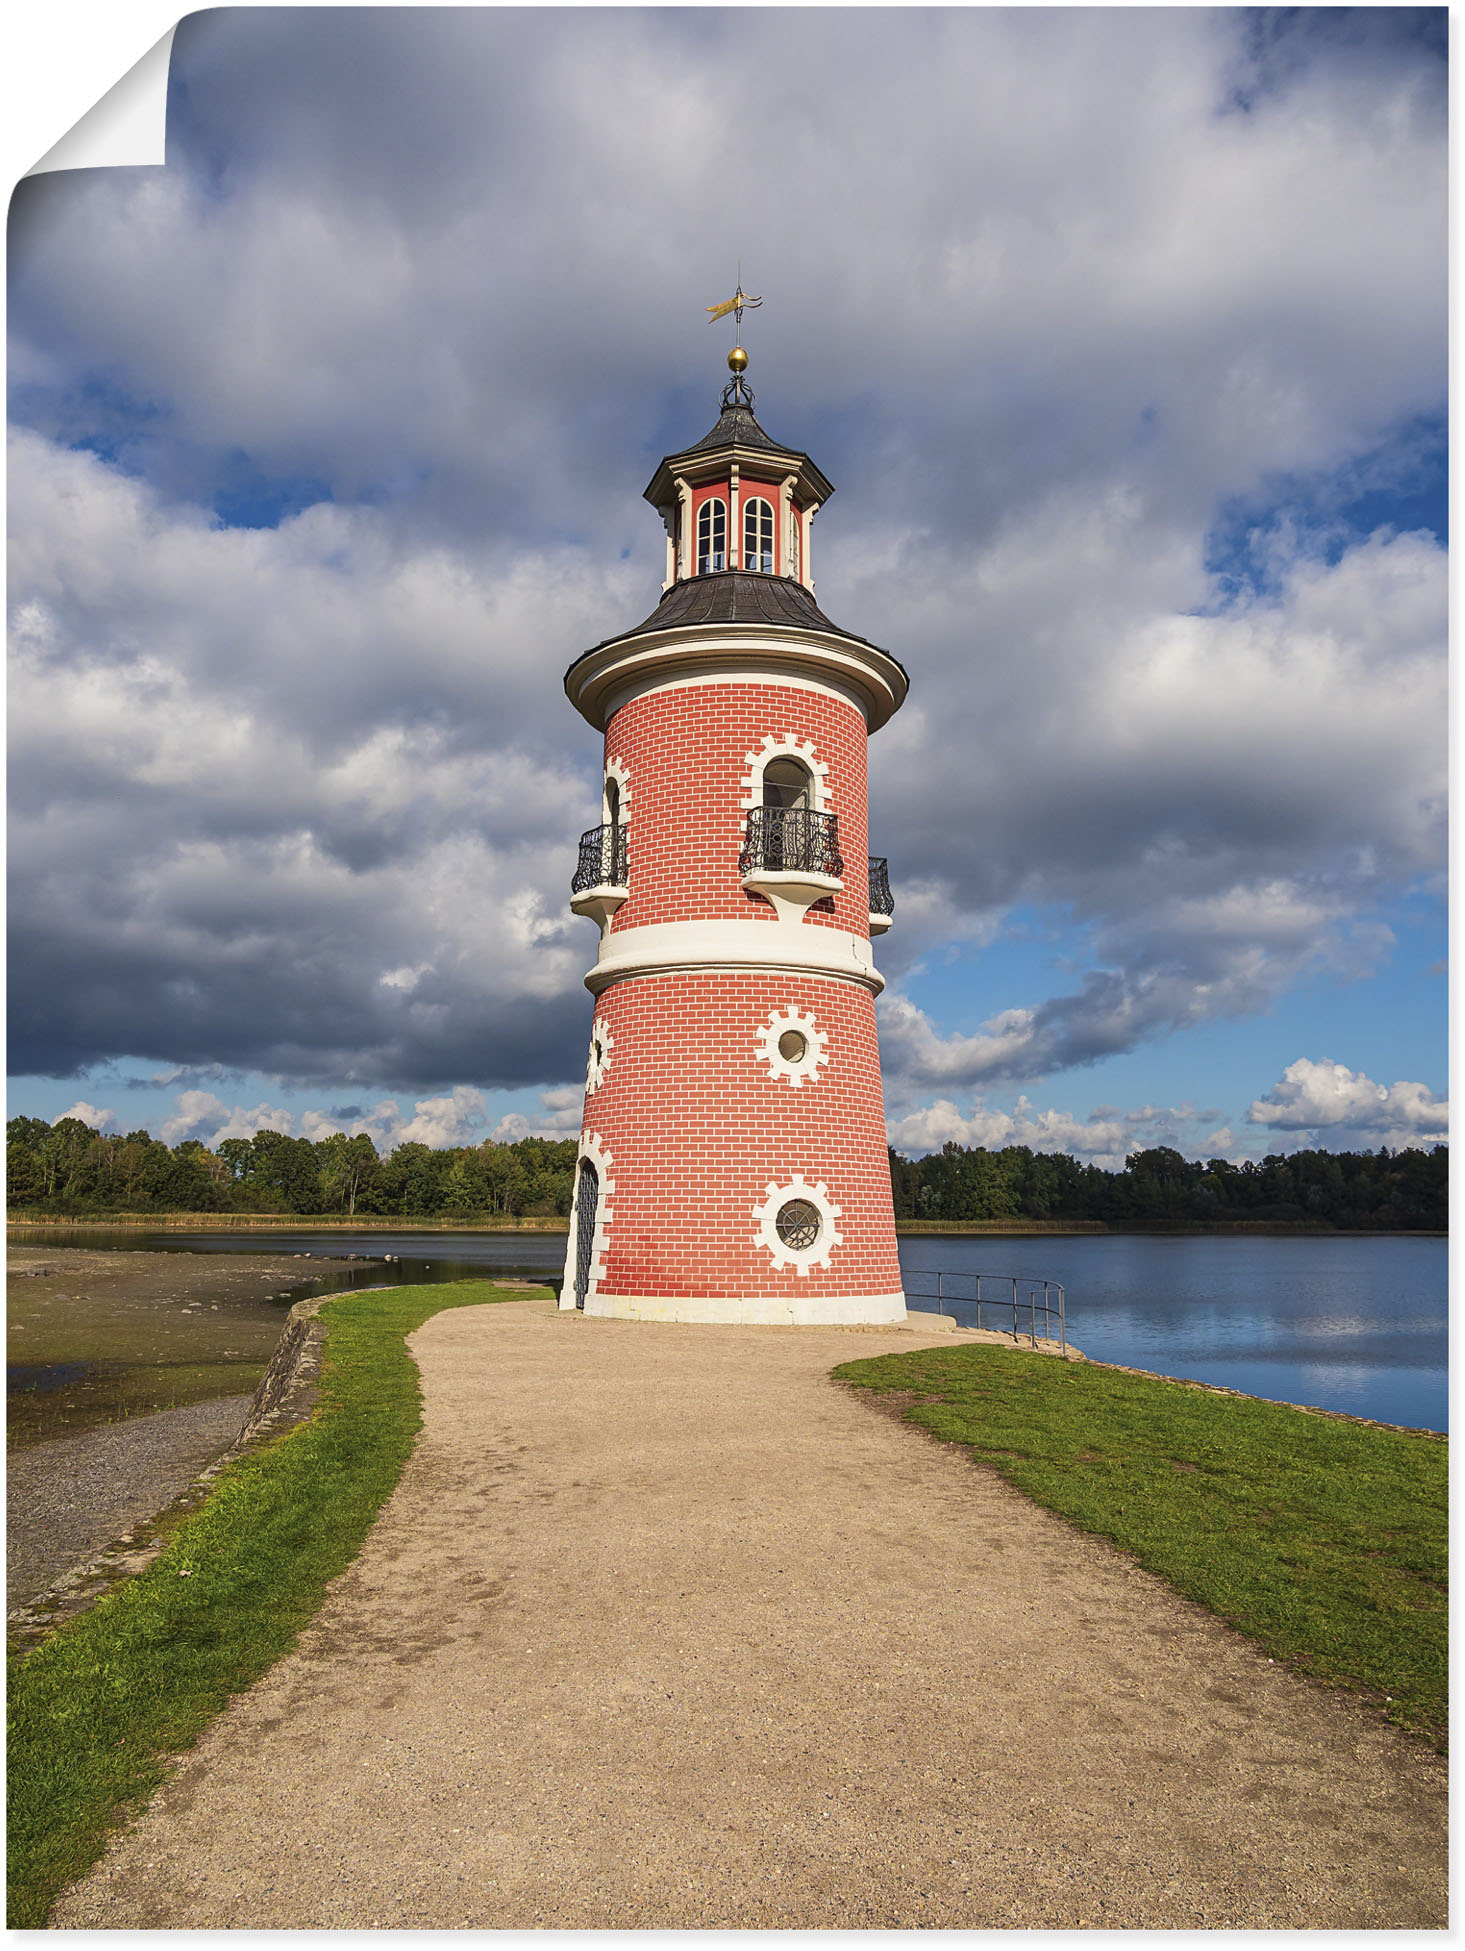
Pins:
x,y
732,1163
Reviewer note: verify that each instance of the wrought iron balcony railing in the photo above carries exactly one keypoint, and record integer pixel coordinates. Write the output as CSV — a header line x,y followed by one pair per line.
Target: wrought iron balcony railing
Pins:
x,y
602,859
791,840
882,901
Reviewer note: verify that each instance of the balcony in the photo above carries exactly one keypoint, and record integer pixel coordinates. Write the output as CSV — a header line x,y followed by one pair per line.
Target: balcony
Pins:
x,y
882,901
601,882
791,857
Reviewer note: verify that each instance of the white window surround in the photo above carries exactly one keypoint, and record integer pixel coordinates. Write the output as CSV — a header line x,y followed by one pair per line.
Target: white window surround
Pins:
x,y
801,1259
801,1069
597,1061
591,1147
616,769
788,747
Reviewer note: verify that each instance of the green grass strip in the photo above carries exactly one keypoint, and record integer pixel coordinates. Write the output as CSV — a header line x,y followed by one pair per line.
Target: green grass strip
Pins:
x,y
97,1710
1323,1540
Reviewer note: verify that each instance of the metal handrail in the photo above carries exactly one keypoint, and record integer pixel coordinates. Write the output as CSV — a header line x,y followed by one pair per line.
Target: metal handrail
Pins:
x,y
1027,1295
882,901
602,859
791,839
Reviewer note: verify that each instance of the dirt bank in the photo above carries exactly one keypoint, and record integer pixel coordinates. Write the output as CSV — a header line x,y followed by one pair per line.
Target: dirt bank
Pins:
x,y
94,1337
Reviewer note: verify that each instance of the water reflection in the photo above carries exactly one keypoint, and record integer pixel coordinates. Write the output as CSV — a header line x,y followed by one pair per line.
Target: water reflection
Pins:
x,y
1358,1324
1338,1322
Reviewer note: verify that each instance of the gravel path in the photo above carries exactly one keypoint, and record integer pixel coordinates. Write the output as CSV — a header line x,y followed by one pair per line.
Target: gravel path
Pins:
x,y
65,1501
664,1629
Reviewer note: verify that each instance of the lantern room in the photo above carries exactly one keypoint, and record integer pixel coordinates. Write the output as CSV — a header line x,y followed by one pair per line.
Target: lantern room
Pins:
x,y
738,502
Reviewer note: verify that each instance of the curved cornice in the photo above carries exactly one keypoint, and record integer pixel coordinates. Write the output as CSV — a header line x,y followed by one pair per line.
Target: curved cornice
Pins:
x,y
872,677
695,947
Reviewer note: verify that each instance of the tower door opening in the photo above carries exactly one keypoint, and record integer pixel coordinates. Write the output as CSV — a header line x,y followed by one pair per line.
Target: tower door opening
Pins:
x,y
585,1204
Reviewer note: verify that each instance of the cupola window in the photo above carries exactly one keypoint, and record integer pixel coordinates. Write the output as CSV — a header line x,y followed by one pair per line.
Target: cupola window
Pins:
x,y
711,536
758,536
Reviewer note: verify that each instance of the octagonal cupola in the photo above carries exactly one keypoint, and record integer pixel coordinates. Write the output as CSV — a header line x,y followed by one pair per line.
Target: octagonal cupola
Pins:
x,y
738,502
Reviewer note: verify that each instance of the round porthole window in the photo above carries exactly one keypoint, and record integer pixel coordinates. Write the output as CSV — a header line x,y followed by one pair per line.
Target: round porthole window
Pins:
x,y
798,1224
793,1046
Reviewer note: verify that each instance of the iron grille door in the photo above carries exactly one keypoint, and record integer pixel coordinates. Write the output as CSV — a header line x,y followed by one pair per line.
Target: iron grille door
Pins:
x,y
585,1206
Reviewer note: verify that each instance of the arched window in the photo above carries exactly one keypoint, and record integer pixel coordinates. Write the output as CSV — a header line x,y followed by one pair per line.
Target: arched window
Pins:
x,y
758,536
711,536
612,800
787,783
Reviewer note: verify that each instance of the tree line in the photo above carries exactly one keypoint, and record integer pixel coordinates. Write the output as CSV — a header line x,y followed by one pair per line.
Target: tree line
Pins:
x,y
1382,1191
67,1168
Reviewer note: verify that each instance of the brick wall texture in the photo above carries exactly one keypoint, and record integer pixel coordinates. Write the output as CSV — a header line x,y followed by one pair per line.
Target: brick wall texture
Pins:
x,y
694,1125
685,752
696,1128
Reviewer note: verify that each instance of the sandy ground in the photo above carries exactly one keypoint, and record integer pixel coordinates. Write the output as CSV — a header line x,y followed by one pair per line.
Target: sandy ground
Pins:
x,y
664,1629
65,1501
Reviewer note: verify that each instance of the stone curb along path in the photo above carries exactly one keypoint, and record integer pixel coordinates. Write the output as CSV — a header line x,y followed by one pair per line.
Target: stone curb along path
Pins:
x,y
284,1396
662,1628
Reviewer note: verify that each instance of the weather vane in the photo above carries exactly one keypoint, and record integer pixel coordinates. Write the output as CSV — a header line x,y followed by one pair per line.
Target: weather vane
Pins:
x,y
737,304
737,392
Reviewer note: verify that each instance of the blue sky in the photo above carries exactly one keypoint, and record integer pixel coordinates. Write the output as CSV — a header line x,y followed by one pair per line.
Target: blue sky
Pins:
x,y
1122,333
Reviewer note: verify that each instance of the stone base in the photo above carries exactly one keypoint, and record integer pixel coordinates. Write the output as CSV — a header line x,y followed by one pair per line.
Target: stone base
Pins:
x,y
765,1311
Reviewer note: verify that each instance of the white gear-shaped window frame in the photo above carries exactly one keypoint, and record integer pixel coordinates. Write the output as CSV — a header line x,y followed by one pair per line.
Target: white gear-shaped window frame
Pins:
x,y
597,1061
795,1071
787,747
801,1259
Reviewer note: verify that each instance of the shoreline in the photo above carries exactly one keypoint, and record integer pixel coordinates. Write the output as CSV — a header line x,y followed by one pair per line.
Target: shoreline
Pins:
x,y
904,1228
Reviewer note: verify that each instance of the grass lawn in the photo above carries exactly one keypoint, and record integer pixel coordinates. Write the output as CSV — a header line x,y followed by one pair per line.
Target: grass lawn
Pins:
x,y
96,1711
1323,1540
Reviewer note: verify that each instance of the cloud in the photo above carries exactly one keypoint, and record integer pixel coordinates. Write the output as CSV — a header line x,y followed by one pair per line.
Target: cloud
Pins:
x,y
332,437
88,1114
262,863
560,1115
455,1118
1328,1098
1104,1138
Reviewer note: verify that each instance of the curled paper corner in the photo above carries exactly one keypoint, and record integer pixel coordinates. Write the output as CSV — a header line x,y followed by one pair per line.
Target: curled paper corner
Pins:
x,y
127,127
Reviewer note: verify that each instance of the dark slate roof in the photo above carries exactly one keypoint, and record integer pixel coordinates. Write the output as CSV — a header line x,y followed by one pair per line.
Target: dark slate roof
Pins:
x,y
736,425
733,596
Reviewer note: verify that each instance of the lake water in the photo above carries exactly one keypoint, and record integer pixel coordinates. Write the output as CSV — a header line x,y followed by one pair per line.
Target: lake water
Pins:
x,y
1355,1323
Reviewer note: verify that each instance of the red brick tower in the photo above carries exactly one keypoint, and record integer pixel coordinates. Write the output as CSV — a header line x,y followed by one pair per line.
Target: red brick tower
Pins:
x,y
733,1160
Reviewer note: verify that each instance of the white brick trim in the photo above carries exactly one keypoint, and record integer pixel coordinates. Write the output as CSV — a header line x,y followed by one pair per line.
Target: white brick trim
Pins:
x,y
800,1309
772,947
785,747
801,1259
618,770
806,1068
591,1147
602,1041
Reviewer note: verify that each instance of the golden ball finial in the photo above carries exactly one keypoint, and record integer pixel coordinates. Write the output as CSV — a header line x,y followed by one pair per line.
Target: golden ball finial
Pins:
x,y
737,360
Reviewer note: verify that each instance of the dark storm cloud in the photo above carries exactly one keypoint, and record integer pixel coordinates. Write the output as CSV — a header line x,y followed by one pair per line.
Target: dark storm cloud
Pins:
x,y
1047,292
